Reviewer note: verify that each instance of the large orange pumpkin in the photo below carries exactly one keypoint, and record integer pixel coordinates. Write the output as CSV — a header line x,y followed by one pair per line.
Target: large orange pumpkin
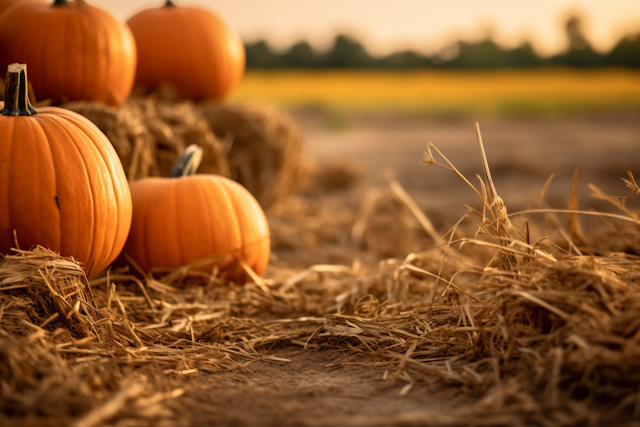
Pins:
x,y
188,48
62,185
187,218
74,51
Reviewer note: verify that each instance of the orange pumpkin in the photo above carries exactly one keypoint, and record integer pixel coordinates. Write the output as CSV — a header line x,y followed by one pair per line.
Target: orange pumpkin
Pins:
x,y
172,39
74,51
62,185
187,218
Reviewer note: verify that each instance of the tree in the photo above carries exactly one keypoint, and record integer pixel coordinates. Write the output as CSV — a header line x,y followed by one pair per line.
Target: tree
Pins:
x,y
301,55
347,52
579,53
260,55
626,53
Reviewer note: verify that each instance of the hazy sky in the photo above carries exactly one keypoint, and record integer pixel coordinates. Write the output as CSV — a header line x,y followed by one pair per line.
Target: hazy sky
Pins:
x,y
424,25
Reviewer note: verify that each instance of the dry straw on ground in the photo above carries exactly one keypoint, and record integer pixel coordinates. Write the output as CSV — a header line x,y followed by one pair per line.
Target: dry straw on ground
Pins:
x,y
533,331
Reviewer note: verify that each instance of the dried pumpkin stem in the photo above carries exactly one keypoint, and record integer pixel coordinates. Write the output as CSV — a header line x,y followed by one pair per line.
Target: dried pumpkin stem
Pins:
x,y
16,92
169,3
61,3
188,162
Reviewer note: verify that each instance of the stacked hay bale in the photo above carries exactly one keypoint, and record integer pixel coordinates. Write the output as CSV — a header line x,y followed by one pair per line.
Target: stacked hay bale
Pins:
x,y
150,134
262,145
258,146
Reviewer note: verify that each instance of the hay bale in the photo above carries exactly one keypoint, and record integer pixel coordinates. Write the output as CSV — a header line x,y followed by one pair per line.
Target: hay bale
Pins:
x,y
150,133
258,146
263,146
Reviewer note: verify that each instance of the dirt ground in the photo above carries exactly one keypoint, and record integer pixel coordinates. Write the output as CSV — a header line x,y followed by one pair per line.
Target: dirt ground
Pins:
x,y
522,152
312,389
318,388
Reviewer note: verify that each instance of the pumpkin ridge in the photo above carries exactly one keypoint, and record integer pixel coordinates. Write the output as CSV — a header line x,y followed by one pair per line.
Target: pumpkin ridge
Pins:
x,y
7,166
105,152
249,247
202,192
179,216
36,122
91,255
195,77
82,64
107,249
102,40
218,57
141,248
45,84
41,50
236,212
147,225
24,129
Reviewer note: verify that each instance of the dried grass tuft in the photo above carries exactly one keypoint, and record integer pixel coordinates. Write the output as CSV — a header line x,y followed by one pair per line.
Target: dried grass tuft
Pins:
x,y
53,287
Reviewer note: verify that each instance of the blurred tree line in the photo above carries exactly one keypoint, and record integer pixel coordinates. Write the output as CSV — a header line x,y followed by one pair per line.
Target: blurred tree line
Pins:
x,y
349,53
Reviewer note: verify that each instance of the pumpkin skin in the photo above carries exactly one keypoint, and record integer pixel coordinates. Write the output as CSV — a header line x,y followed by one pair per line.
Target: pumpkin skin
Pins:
x,y
62,186
73,52
7,4
177,221
172,39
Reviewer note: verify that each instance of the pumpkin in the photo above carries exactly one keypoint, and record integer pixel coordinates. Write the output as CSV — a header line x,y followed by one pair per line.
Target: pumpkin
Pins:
x,y
74,51
188,218
172,39
62,185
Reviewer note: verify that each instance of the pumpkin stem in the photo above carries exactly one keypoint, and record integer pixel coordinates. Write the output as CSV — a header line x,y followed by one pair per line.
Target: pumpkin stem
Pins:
x,y
16,92
188,162
61,3
169,3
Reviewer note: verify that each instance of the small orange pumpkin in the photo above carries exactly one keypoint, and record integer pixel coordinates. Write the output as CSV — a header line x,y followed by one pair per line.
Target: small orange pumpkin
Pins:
x,y
62,185
172,39
74,51
187,218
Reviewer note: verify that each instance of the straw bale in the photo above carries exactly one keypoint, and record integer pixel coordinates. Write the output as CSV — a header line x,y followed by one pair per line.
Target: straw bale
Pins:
x,y
256,145
150,133
263,146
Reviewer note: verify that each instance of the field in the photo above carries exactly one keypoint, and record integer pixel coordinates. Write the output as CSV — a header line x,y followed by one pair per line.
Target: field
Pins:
x,y
448,91
371,313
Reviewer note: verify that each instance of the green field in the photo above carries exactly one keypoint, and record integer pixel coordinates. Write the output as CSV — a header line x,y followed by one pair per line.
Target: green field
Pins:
x,y
503,91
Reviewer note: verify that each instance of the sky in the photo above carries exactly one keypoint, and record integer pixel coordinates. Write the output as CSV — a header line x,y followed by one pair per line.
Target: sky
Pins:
x,y
428,26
